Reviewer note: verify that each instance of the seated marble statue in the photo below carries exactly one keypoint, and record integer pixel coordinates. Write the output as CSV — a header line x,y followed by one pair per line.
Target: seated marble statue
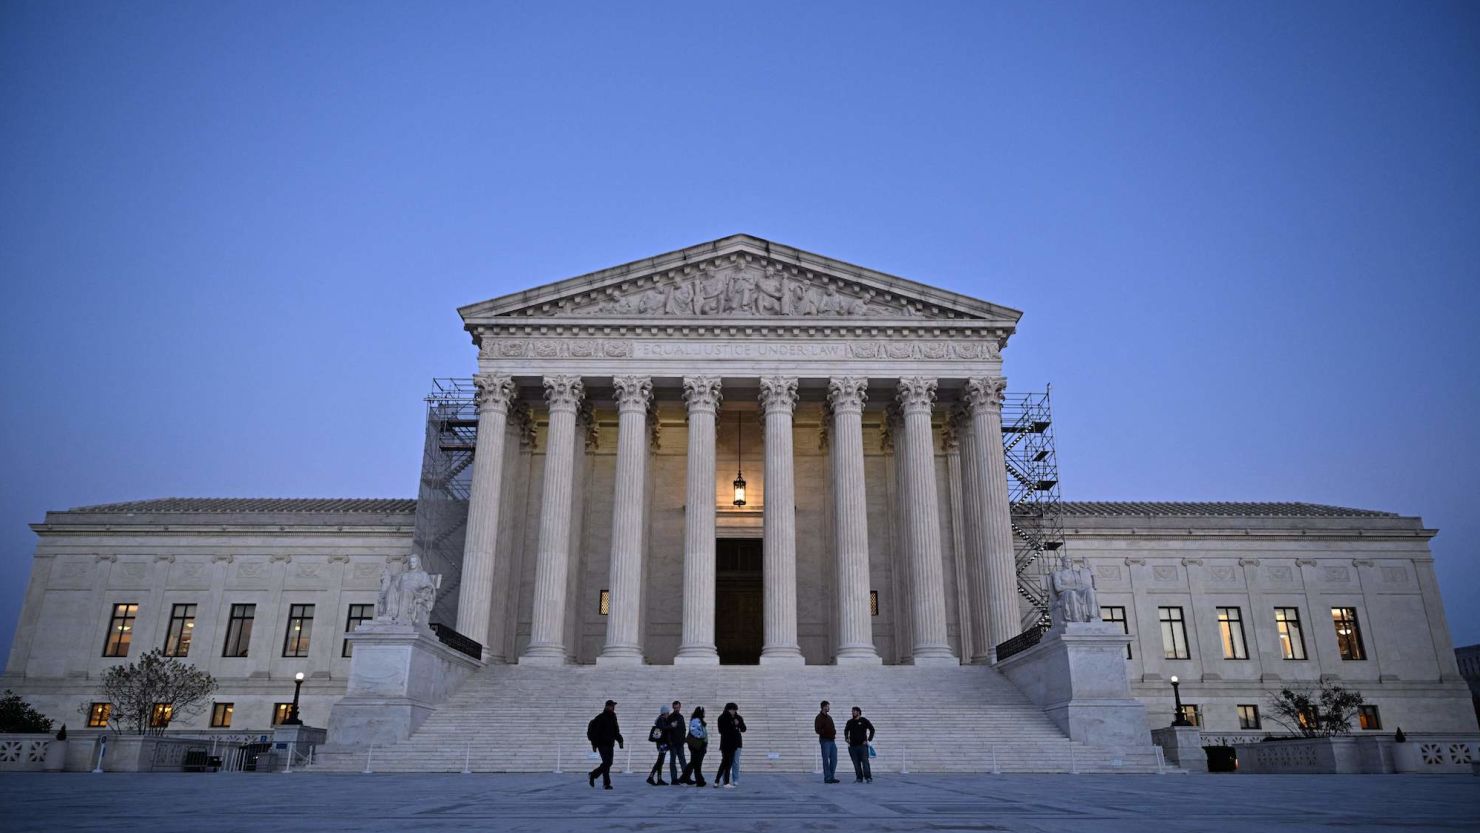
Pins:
x,y
1074,597
407,595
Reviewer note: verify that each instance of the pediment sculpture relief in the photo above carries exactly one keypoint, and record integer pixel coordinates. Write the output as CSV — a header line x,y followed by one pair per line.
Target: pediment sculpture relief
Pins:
x,y
742,288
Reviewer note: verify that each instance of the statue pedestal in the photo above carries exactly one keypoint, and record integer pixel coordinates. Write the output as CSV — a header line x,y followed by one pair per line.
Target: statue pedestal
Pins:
x,y
1076,674
1182,746
399,673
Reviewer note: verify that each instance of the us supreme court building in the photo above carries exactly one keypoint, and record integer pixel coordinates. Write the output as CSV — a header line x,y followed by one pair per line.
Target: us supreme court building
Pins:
x,y
738,471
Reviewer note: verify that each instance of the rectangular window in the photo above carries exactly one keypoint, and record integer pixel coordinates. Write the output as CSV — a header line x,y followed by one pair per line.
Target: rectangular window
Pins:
x,y
1348,634
98,714
182,628
1248,717
1292,640
300,626
120,630
221,715
239,630
1368,718
604,603
161,715
280,713
1193,713
1116,615
1231,630
873,603
357,614
1173,633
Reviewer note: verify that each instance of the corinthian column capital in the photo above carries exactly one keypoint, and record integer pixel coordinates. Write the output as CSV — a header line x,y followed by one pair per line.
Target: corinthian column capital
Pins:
x,y
701,393
494,391
564,393
847,393
778,393
634,393
916,394
984,392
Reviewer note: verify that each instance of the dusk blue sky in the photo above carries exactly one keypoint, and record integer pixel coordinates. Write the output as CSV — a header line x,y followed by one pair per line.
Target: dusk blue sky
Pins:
x,y
1245,236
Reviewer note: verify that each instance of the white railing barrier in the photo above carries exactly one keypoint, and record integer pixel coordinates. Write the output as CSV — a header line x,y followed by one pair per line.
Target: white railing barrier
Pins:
x,y
468,760
996,770
557,759
1160,762
904,763
369,754
102,751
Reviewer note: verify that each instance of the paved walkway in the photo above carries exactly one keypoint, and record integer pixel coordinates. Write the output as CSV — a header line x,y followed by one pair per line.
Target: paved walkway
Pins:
x,y
267,803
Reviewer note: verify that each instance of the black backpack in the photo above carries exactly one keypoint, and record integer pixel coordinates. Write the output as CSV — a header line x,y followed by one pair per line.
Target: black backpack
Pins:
x,y
591,729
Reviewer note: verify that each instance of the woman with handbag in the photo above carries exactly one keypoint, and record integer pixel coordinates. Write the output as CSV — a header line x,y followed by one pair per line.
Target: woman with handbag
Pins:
x,y
658,735
698,742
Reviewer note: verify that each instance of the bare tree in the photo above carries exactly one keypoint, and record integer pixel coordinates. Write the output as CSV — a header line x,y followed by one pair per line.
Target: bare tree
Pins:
x,y
1315,712
144,697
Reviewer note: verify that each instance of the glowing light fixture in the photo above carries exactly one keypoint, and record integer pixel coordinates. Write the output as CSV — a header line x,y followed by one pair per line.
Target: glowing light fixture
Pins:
x,y
739,474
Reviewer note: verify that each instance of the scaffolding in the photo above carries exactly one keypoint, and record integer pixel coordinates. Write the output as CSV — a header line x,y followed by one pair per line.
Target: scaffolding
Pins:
x,y
446,482
1033,491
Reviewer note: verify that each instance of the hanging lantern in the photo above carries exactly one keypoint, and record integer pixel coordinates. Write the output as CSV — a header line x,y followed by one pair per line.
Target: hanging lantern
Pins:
x,y
739,474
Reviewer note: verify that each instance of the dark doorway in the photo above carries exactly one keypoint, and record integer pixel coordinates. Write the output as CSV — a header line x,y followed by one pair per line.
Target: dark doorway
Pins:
x,y
738,601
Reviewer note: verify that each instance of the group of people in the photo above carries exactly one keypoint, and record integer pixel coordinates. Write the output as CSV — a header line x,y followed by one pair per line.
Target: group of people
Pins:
x,y
683,744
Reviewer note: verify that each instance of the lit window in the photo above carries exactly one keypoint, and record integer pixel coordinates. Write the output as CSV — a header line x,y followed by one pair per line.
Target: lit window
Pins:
x,y
604,603
1231,630
1193,713
239,630
1173,633
300,626
182,628
98,714
120,630
1368,718
1248,717
1292,640
1116,615
357,614
221,715
161,715
280,712
873,603
1348,634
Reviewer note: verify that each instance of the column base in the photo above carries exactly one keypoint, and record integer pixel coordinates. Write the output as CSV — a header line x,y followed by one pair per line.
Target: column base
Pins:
x,y
623,659
858,657
543,655
783,656
934,655
696,656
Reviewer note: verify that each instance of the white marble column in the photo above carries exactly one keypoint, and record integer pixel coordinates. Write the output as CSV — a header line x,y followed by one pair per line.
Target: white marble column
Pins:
x,y
968,614
702,394
475,592
975,540
984,400
779,577
552,565
850,522
633,394
927,584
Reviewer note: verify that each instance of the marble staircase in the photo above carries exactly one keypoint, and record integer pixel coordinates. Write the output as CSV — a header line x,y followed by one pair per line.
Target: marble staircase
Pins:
x,y
510,718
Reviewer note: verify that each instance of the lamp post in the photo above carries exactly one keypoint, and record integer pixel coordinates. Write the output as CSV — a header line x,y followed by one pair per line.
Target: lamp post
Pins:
x,y
293,712
1180,719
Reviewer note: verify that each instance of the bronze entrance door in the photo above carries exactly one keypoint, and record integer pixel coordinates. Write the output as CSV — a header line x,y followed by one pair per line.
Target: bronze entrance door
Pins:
x,y
738,626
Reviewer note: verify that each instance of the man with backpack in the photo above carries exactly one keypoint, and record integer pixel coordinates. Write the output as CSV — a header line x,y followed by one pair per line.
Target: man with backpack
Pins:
x,y
602,732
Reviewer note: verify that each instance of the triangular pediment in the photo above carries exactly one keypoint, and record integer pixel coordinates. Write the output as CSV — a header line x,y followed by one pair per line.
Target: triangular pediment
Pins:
x,y
739,278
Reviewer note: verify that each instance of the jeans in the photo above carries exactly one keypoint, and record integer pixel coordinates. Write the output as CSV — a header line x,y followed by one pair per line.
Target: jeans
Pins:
x,y
735,768
677,761
726,767
656,773
829,760
605,770
859,755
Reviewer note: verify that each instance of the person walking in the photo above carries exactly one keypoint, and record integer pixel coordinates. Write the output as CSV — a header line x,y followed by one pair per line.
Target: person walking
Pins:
x,y
739,748
678,762
859,733
730,727
827,733
698,742
659,737
602,732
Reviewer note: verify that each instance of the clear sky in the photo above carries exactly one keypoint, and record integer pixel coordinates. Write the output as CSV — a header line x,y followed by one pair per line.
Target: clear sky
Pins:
x,y
1246,236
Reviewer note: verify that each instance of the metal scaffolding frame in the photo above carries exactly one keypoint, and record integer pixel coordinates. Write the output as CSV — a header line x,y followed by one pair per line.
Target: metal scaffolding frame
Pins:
x,y
446,482
1033,491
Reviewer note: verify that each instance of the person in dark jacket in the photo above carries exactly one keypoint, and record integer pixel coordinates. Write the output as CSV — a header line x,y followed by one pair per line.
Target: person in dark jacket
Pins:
x,y
602,732
827,734
731,726
659,736
698,742
678,762
859,733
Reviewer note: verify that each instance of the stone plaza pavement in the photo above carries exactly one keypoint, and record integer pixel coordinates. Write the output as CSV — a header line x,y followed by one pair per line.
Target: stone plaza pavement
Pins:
x,y
426,803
